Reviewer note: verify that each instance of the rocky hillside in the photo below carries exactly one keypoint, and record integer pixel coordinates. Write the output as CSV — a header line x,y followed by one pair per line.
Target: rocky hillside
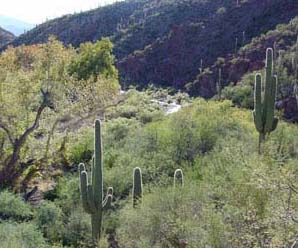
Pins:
x,y
175,59
165,42
5,37
247,59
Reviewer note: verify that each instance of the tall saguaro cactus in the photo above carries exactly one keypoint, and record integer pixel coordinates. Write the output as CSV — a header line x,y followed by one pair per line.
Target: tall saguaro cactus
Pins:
x,y
264,102
92,192
137,187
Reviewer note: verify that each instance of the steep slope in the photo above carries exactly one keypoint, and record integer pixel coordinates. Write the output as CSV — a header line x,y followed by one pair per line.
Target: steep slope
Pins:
x,y
175,59
249,58
238,70
5,37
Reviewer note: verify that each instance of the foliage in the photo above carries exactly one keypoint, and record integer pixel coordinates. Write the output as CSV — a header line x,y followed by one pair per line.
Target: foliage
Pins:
x,y
24,235
39,96
49,220
78,230
232,196
94,60
13,207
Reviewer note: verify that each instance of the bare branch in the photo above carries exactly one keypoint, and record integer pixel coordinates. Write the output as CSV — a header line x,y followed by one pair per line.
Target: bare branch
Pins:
x,y
6,130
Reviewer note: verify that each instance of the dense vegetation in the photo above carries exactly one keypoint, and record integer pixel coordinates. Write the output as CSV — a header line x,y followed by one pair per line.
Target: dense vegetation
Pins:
x,y
40,90
232,197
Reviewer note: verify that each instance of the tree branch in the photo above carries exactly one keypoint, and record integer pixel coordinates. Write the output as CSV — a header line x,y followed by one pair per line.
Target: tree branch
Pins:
x,y
5,128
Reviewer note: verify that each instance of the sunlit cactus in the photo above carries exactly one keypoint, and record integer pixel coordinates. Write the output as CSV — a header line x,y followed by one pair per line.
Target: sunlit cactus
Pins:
x,y
264,102
92,192
137,187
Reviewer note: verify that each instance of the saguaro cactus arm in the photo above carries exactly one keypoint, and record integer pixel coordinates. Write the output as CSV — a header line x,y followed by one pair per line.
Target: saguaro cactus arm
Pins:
x,y
84,191
178,177
258,113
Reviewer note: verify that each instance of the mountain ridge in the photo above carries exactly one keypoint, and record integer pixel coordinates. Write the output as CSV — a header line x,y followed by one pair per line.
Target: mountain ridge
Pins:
x,y
15,26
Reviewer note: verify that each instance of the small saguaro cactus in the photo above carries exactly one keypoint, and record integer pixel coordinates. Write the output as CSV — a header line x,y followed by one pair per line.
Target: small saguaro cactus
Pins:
x,y
137,192
236,45
178,178
92,192
219,84
264,106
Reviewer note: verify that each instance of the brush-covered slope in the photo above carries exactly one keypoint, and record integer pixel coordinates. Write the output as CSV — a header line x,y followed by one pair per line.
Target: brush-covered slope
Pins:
x,y
247,59
239,69
5,37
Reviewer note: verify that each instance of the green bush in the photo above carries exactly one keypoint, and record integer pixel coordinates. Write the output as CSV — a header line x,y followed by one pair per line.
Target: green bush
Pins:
x,y
240,95
78,230
68,193
170,218
49,220
24,235
13,207
81,147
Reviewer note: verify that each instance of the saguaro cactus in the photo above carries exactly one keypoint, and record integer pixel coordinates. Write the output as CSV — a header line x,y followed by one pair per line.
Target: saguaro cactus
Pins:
x,y
92,192
263,113
137,187
219,84
178,178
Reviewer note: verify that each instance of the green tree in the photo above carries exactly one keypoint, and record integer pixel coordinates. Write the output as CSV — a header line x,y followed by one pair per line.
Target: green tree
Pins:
x,y
94,60
38,95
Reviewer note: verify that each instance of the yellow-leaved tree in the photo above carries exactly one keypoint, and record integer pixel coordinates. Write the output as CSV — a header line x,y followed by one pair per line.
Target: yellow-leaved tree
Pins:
x,y
40,92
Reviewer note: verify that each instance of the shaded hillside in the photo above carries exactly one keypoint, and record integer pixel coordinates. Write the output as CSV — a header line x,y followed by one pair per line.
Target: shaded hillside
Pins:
x,y
175,59
238,70
5,37
249,58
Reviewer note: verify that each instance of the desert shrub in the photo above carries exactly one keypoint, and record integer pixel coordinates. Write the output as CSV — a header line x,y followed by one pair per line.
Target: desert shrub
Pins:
x,y
68,193
49,220
24,235
118,129
170,218
81,147
13,207
78,230
147,116
240,95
